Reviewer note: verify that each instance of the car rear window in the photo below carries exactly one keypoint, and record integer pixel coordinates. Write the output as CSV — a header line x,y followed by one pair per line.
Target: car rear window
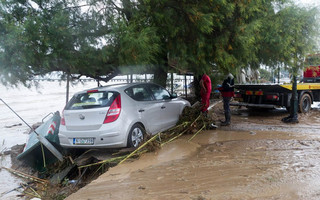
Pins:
x,y
91,100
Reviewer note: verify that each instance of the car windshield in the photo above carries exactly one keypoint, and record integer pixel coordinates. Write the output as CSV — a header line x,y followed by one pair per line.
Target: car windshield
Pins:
x,y
91,100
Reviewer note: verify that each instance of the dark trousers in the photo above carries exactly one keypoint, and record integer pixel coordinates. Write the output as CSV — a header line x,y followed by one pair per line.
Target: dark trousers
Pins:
x,y
226,107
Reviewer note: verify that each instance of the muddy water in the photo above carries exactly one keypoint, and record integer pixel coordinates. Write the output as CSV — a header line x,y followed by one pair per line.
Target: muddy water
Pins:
x,y
255,158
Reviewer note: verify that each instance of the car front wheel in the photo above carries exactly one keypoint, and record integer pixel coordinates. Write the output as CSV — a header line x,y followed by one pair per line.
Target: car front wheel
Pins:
x,y
136,136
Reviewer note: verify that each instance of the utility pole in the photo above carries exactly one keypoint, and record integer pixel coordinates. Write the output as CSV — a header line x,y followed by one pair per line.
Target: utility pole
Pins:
x,y
68,85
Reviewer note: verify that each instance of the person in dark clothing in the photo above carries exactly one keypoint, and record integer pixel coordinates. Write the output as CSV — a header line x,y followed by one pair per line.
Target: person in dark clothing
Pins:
x,y
227,92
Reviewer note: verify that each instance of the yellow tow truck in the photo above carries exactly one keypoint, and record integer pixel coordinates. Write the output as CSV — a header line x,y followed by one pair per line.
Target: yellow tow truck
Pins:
x,y
279,95
276,95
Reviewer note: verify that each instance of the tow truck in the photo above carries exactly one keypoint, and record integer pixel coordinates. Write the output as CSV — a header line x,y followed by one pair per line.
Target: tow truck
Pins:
x,y
279,95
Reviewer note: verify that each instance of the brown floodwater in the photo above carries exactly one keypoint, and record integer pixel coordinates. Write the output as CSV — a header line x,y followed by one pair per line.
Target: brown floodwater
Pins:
x,y
257,157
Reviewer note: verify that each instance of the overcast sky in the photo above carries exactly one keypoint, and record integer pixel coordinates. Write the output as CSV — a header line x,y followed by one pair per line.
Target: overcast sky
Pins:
x,y
309,2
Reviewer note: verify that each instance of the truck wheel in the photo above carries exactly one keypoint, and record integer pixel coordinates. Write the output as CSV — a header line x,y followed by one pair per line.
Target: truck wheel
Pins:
x,y
305,103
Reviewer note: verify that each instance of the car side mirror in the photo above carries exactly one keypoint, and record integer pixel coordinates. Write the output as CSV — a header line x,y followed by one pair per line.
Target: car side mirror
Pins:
x,y
174,95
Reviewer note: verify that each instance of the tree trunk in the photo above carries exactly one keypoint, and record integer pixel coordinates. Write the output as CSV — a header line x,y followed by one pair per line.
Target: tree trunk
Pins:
x,y
293,117
196,85
294,99
160,76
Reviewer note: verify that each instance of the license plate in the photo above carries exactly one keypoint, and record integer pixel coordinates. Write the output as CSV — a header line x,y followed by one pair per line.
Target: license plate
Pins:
x,y
83,141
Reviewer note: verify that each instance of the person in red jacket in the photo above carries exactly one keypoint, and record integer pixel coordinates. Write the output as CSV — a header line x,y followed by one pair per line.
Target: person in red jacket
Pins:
x,y
227,92
205,84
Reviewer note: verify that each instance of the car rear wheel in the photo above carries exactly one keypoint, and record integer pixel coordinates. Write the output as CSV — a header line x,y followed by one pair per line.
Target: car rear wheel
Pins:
x,y
136,136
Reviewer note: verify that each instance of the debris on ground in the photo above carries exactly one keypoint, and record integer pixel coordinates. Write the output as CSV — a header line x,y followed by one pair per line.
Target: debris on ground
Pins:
x,y
13,125
80,167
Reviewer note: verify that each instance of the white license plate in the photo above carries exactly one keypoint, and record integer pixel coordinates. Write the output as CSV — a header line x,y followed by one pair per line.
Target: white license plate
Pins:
x,y
83,141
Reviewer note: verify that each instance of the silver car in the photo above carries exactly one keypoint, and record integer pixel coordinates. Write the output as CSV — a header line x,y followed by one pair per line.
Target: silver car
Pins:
x,y
118,115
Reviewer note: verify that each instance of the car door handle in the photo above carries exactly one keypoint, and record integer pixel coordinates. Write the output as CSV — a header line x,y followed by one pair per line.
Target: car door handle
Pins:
x,y
141,110
163,107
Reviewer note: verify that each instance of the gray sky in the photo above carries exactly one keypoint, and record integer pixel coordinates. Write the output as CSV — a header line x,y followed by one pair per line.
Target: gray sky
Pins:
x,y
308,2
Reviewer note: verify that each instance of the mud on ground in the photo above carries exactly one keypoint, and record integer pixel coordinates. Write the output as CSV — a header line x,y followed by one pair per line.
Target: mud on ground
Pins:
x,y
257,157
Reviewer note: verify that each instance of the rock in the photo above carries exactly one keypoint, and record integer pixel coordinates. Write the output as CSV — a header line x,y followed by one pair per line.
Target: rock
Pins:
x,y
252,133
141,187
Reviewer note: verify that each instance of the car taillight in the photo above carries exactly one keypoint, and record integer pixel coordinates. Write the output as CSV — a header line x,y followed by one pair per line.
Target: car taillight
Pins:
x,y
114,111
62,121
92,91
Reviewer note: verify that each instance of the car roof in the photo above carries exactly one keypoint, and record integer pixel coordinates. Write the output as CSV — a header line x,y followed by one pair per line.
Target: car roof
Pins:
x,y
119,86
122,85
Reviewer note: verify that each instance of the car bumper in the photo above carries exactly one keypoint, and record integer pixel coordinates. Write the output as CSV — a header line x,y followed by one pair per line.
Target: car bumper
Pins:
x,y
102,138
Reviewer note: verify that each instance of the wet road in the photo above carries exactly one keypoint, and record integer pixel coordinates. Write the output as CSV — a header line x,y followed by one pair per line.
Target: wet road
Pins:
x,y
256,158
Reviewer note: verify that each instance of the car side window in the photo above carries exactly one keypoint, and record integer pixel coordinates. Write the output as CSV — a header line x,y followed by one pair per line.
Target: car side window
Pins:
x,y
139,93
159,92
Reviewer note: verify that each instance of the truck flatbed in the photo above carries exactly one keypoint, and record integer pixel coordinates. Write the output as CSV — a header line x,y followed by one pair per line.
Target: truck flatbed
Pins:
x,y
278,87
276,95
